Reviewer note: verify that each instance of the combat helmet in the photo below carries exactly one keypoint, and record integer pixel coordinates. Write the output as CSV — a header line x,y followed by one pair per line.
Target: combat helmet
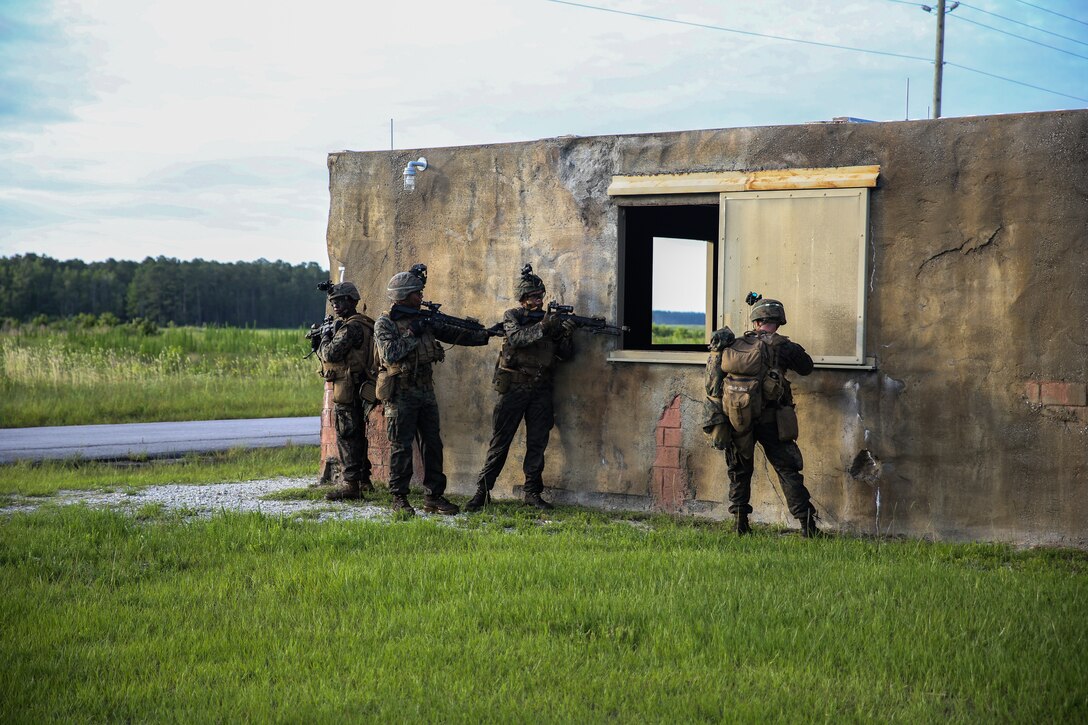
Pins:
x,y
344,289
528,283
403,284
768,309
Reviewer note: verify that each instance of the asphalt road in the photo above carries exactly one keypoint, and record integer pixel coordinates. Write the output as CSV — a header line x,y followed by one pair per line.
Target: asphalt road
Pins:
x,y
154,439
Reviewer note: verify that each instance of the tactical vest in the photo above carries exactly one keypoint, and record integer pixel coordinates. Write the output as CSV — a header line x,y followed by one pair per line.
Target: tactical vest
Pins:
x,y
355,374
528,364
753,381
414,369
536,360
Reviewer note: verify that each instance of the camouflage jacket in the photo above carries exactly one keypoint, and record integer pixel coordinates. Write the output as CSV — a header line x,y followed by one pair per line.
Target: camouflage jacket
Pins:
x,y
396,344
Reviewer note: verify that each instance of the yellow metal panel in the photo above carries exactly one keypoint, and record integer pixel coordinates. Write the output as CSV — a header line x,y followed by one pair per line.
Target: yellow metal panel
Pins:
x,y
807,249
842,177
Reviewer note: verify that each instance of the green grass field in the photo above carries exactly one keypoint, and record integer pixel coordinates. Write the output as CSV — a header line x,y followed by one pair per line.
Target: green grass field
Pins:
x,y
27,478
507,616
496,617
119,375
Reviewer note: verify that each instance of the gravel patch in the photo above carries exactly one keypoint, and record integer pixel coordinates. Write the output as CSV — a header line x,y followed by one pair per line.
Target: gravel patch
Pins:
x,y
204,500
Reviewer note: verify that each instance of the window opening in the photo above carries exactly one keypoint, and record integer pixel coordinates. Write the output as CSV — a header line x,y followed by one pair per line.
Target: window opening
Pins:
x,y
668,255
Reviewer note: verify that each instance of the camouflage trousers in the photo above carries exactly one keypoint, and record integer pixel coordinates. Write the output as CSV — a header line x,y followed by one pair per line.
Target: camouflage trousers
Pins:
x,y
351,443
412,415
533,404
784,457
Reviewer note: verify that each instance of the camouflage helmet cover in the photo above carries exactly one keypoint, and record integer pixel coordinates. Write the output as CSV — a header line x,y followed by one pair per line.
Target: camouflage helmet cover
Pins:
x,y
768,309
528,283
344,289
403,284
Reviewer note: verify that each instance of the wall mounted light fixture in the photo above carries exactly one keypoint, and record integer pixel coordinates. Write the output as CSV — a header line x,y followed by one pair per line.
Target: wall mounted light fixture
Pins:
x,y
410,171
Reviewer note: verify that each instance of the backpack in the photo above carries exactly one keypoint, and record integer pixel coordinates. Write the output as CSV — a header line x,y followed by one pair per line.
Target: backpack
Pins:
x,y
752,380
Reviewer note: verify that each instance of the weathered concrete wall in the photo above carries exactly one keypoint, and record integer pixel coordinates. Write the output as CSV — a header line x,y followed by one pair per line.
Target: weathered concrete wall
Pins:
x,y
975,421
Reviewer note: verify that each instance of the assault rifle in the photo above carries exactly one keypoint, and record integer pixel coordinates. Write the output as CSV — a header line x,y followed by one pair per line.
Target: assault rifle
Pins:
x,y
316,331
318,328
429,314
596,325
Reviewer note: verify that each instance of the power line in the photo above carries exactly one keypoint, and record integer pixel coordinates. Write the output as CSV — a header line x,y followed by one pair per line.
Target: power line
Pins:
x,y
1021,37
1045,10
1018,22
927,8
1010,80
707,26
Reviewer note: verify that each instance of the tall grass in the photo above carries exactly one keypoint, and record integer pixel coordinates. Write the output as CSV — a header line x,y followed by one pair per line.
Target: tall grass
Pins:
x,y
118,375
678,335
584,619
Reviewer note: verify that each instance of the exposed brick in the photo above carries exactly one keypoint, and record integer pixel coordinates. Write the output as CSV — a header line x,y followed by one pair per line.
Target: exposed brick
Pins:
x,y
1063,393
328,436
657,483
673,489
671,417
667,457
668,484
1031,391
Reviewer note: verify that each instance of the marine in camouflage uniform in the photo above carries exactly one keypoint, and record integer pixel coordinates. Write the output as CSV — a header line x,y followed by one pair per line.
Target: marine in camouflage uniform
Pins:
x,y
524,378
408,348
349,361
784,456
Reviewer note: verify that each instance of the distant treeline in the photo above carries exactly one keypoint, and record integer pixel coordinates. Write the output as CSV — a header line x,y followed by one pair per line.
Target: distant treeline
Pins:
x,y
669,317
163,290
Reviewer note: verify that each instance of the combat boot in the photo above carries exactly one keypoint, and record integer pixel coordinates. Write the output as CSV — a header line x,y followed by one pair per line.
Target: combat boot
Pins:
x,y
346,490
743,527
401,505
481,498
439,505
533,499
808,525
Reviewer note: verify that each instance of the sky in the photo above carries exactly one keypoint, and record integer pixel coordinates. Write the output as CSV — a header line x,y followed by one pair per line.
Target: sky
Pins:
x,y
200,129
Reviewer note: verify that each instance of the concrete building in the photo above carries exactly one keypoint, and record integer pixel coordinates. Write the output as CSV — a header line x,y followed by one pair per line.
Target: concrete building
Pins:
x,y
937,270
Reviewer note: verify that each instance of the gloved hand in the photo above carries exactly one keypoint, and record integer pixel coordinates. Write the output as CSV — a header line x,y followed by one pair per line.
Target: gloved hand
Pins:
x,y
550,323
418,325
722,338
568,326
329,328
496,330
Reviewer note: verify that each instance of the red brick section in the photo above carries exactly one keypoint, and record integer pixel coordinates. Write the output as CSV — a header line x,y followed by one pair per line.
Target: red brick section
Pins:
x,y
327,470
1062,393
1070,397
377,442
669,484
378,449
377,445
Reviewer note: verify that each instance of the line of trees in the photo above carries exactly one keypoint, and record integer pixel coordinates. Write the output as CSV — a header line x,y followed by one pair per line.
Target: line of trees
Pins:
x,y
163,290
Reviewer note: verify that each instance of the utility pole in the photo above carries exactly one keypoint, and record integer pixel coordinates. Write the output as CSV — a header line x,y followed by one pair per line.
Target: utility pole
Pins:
x,y
938,70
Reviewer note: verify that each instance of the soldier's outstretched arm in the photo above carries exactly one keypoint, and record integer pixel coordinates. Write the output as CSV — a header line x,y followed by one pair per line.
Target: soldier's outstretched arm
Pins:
x,y
459,336
794,357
